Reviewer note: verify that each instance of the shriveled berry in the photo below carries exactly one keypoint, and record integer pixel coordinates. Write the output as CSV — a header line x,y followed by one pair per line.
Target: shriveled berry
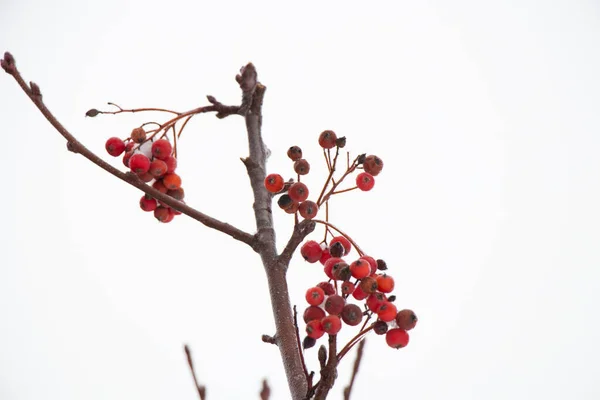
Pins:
x,y
115,146
380,327
284,201
158,185
302,167
368,285
397,338
345,242
139,163
171,181
158,168
348,288
171,164
298,192
365,181
327,139
312,313
335,304
327,288
294,153
359,294
373,165
360,269
177,194
314,329
331,324
406,319
352,314
138,135
308,342
387,311
372,263
341,272
311,251
292,208
337,249
381,265
148,203
341,142
375,300
315,296
308,209
162,214
161,149
385,283
274,183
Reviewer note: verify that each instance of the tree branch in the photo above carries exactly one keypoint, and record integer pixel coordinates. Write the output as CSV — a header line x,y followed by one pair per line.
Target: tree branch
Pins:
x,y
301,230
34,93
201,389
359,353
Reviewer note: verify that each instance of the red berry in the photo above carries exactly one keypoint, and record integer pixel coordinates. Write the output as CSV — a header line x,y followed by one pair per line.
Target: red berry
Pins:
x,y
396,338
348,288
177,194
139,163
335,304
365,181
292,208
328,268
387,311
331,324
352,314
115,146
359,294
375,300
163,214
360,269
311,251
315,296
327,139
130,145
406,319
373,165
158,168
313,313
274,183
146,177
294,153
345,242
385,283
138,135
126,158
314,329
298,192
325,256
308,209
148,203
161,149
372,262
171,181
171,164
341,271
302,167
158,185
327,288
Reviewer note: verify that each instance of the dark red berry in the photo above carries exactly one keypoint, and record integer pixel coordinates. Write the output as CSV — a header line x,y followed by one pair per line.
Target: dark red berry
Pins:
x,y
380,327
298,192
327,139
335,304
406,319
352,314
311,251
373,165
302,167
294,153
327,288
345,242
308,209
312,313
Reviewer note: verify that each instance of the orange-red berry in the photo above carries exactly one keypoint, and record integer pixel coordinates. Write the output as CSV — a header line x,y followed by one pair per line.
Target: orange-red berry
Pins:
x,y
331,324
372,263
163,214
148,203
360,268
298,192
365,181
375,300
373,165
292,208
171,181
328,266
158,168
274,183
359,294
326,255
406,319
308,209
397,338
115,146
315,296
387,311
385,283
314,329
146,177
348,288
327,139
327,288
158,185
311,251
171,164
368,285
127,157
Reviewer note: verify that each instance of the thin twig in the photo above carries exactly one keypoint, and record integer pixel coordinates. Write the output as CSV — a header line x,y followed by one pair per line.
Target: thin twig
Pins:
x,y
201,389
300,347
359,353
330,225
265,392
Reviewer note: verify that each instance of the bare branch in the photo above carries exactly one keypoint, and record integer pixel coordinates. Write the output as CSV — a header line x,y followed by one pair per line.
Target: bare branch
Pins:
x,y
329,372
301,230
265,392
300,347
75,146
201,389
359,353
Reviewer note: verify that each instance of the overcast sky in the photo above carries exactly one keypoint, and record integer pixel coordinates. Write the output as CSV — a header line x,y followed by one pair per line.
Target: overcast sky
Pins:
x,y
486,117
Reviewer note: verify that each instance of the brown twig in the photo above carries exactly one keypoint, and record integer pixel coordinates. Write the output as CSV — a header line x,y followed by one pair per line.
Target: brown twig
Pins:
x,y
201,389
359,353
330,225
352,342
265,392
329,373
300,348
301,230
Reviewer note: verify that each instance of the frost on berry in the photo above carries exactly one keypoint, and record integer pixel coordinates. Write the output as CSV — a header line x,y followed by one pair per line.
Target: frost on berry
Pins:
x,y
161,149
311,251
373,165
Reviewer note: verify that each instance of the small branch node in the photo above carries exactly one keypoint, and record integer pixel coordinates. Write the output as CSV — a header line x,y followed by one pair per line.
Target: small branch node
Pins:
x,y
270,339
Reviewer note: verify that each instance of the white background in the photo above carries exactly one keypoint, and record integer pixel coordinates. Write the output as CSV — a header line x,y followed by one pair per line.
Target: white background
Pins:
x,y
485,114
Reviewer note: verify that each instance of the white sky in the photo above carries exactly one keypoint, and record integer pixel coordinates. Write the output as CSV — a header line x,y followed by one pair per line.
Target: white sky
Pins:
x,y
485,114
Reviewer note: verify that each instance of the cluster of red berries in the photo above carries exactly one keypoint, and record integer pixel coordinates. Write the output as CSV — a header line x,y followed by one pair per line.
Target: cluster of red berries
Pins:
x,y
153,161
359,279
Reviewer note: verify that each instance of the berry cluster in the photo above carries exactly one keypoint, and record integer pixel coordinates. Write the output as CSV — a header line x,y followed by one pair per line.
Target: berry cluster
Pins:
x,y
363,279
153,161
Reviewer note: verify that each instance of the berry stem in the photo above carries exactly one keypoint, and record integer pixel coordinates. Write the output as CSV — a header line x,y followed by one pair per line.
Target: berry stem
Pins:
x,y
330,225
352,342
359,353
330,176
344,190
134,110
